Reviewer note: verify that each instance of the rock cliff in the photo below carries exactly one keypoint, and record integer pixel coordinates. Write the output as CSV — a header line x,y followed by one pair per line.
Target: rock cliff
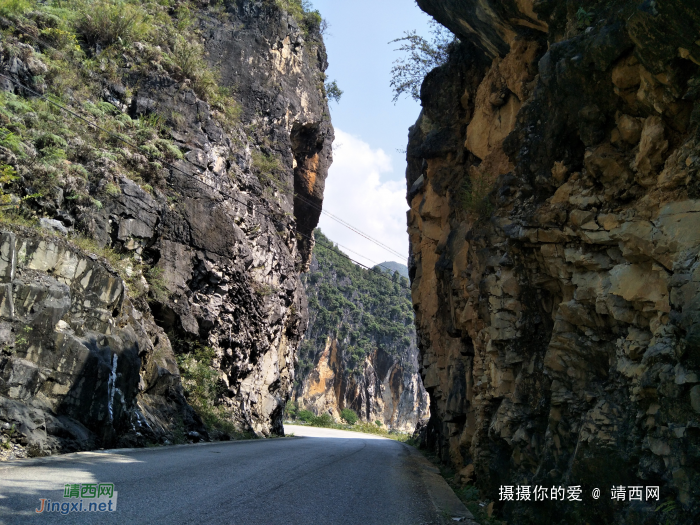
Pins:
x,y
553,184
202,189
360,348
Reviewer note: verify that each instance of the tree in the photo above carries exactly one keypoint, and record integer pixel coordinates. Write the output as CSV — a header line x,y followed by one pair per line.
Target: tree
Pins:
x,y
408,72
333,92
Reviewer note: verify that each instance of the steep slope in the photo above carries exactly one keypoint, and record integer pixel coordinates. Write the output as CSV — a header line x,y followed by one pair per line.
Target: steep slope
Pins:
x,y
553,185
360,350
202,188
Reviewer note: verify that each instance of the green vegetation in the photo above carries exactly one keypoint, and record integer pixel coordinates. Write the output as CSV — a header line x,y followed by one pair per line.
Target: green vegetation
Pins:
x,y
362,309
203,385
306,417
474,195
308,19
584,18
349,416
83,45
333,92
422,56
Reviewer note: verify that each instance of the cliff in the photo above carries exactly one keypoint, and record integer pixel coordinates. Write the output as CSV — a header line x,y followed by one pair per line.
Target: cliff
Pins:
x,y
553,184
173,235
360,349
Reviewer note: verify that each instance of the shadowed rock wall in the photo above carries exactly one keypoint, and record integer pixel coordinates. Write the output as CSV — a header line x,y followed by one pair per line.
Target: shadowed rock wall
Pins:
x,y
557,315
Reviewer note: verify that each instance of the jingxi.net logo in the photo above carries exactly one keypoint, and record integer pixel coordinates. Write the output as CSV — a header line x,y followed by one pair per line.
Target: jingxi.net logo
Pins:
x,y
82,497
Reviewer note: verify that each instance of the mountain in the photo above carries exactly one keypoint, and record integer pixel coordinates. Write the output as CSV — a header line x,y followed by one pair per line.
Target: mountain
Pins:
x,y
359,351
394,267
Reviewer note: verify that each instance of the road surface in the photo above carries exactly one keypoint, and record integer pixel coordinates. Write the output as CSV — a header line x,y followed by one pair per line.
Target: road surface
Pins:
x,y
321,476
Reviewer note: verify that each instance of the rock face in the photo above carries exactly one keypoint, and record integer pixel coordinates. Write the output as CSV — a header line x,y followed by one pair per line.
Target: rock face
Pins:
x,y
220,234
553,185
81,364
360,348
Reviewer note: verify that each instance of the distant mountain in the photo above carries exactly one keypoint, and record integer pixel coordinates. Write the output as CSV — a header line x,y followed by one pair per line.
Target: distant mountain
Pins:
x,y
360,348
395,267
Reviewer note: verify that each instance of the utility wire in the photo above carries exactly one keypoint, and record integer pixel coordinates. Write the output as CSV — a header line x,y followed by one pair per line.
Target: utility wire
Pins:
x,y
351,227
173,167
300,197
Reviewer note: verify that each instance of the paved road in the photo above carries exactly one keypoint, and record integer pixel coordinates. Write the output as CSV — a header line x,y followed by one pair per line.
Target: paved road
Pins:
x,y
322,476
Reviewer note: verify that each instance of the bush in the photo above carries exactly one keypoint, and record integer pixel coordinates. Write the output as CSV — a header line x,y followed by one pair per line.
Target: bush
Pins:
x,y
107,23
349,416
14,7
324,420
291,410
333,92
305,415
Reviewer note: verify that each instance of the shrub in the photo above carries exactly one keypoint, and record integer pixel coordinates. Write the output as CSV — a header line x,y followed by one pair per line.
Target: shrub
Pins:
x,y
188,56
305,415
324,420
349,416
14,7
113,190
407,73
106,23
291,410
333,92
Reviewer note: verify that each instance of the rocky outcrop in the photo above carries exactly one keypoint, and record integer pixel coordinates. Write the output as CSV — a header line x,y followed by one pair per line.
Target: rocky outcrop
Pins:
x,y
384,390
212,242
552,180
360,350
81,365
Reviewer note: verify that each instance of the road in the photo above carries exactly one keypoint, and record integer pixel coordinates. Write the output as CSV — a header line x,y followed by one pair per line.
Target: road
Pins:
x,y
321,476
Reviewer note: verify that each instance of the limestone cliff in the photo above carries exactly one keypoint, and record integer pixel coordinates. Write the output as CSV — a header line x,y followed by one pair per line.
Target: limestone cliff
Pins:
x,y
206,222
360,349
553,184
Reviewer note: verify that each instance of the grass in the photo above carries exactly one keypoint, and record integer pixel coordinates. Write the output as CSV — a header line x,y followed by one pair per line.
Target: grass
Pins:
x,y
468,494
306,417
473,197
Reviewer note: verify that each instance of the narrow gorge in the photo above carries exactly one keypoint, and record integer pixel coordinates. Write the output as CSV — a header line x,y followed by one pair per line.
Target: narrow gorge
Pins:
x,y
359,351
555,231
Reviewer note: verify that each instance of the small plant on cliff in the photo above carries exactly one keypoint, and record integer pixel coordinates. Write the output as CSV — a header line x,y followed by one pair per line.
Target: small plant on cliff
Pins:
x,y
333,92
473,197
423,55
105,23
307,17
349,416
584,18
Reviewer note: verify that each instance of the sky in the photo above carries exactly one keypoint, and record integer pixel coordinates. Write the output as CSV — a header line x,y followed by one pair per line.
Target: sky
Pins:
x,y
366,184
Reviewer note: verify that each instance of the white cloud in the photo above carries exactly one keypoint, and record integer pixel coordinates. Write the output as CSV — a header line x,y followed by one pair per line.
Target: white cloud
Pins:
x,y
355,193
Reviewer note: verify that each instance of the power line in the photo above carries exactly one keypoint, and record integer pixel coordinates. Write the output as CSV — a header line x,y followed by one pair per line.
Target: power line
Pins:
x,y
351,227
173,167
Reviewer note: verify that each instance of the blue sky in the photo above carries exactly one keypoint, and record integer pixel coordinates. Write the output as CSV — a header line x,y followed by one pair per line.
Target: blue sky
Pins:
x,y
366,185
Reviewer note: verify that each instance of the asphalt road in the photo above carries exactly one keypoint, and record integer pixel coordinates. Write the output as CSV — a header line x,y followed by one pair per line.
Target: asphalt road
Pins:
x,y
322,476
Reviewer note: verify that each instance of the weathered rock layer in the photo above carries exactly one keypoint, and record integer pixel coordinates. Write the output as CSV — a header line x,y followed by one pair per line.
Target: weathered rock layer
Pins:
x,y
558,315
